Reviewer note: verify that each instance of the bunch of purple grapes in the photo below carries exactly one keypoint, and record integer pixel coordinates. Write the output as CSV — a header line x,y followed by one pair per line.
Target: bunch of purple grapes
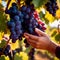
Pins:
x,y
8,52
15,23
5,51
31,54
21,21
51,6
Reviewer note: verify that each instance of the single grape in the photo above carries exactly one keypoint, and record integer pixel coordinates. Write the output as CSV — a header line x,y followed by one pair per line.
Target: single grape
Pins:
x,y
16,18
28,10
17,27
14,4
26,16
23,8
10,24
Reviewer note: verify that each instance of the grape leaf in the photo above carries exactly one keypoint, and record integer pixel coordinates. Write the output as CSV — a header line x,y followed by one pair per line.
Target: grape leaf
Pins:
x,y
17,57
3,19
3,43
57,37
54,33
39,3
41,15
2,58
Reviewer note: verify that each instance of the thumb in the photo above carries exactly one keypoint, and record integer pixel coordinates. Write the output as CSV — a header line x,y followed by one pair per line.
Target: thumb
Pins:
x,y
39,32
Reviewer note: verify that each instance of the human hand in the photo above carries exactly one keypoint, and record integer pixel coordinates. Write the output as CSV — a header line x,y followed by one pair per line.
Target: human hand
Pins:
x,y
42,41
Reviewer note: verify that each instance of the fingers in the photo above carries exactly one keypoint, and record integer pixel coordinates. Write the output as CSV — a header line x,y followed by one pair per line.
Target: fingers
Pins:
x,y
39,32
32,37
33,43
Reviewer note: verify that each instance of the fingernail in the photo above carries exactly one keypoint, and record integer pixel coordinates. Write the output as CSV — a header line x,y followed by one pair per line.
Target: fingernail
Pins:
x,y
36,29
25,33
26,37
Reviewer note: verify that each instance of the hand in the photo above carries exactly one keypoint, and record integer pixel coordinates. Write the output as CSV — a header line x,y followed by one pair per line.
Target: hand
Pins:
x,y
42,41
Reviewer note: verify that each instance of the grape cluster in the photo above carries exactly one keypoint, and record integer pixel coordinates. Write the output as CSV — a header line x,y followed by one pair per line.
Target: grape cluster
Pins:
x,y
15,23
21,21
51,6
13,52
5,51
31,54
8,52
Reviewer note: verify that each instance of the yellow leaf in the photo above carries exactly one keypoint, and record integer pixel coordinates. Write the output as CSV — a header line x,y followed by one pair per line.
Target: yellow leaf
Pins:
x,y
1,35
58,13
49,17
0,1
24,55
7,58
15,45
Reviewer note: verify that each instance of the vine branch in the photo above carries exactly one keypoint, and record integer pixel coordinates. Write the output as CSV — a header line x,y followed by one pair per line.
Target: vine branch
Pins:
x,y
7,4
18,2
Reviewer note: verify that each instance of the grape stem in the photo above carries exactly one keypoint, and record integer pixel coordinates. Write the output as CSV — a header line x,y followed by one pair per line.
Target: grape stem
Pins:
x,y
6,45
18,2
8,4
58,28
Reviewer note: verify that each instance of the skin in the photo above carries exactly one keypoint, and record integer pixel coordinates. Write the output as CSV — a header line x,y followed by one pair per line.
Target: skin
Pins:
x,y
42,41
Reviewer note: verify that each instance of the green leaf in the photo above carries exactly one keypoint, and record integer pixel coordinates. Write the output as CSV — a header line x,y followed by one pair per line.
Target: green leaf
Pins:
x,y
3,43
41,15
2,58
46,20
57,37
39,3
3,19
54,33
28,49
17,57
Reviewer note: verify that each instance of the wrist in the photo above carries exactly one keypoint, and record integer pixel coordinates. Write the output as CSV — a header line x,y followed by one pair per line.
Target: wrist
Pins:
x,y
52,47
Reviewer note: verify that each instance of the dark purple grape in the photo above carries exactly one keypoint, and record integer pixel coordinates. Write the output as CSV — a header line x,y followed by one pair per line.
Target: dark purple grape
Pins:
x,y
20,14
14,4
31,54
17,27
26,43
19,32
14,38
10,24
13,32
1,49
26,16
7,11
23,8
28,10
7,49
16,18
12,29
